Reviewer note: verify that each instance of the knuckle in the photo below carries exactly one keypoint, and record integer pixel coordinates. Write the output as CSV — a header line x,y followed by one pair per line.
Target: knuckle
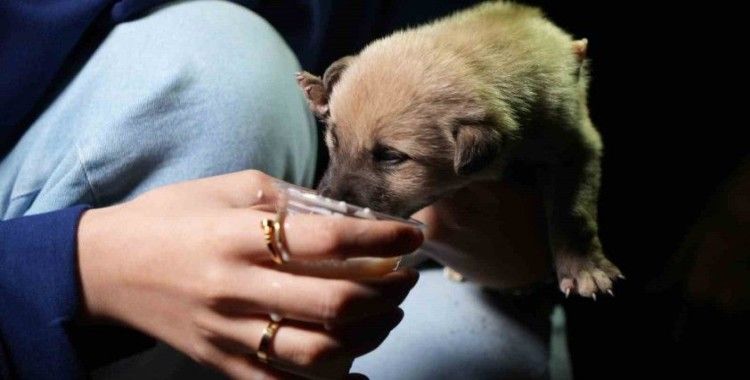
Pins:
x,y
213,286
255,174
203,323
224,239
337,302
258,177
214,240
334,240
319,350
202,353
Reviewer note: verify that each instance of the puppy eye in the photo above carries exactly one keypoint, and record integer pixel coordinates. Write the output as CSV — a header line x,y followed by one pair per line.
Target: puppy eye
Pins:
x,y
389,156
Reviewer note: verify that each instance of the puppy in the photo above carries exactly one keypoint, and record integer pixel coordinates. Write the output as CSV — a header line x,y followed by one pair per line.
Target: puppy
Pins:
x,y
426,111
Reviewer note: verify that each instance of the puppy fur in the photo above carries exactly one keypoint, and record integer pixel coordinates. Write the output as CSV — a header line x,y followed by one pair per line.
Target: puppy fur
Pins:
x,y
426,111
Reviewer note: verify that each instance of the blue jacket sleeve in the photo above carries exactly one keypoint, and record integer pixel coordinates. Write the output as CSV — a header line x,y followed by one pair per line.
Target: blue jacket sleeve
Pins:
x,y
39,295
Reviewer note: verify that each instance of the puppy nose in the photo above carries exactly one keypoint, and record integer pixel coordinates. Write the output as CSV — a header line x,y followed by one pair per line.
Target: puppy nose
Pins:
x,y
347,195
324,188
325,191
343,193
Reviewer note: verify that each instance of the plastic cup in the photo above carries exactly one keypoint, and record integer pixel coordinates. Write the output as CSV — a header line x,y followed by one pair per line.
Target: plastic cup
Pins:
x,y
295,200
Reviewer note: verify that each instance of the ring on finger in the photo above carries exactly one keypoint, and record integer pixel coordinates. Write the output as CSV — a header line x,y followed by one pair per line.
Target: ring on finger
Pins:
x,y
270,232
265,341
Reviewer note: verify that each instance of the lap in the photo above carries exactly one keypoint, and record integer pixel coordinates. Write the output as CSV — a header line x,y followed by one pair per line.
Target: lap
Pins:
x,y
459,331
191,90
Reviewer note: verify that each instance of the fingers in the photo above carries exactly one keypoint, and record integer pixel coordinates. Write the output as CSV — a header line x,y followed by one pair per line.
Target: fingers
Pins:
x,y
323,301
395,286
294,347
368,334
354,269
302,348
237,365
311,237
308,236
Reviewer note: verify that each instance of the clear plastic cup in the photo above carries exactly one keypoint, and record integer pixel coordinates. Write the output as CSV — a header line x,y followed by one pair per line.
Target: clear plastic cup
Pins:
x,y
295,200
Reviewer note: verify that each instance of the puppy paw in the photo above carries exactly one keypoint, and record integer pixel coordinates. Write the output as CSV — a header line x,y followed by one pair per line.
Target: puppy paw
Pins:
x,y
586,275
452,275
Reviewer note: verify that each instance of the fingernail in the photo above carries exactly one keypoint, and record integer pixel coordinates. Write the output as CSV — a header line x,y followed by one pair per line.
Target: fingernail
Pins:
x,y
401,314
397,317
413,274
409,275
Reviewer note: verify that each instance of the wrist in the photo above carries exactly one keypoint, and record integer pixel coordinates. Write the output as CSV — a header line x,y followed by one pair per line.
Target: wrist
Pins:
x,y
94,263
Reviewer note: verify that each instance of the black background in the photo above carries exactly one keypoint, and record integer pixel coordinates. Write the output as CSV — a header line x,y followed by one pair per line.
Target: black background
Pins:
x,y
669,145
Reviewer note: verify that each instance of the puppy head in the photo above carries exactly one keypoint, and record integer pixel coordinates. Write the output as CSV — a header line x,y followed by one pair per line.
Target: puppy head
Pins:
x,y
404,130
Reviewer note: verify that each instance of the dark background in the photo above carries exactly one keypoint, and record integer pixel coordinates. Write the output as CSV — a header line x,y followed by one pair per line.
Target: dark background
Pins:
x,y
670,150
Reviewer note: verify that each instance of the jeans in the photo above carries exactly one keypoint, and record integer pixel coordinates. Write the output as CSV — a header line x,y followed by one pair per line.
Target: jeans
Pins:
x,y
201,88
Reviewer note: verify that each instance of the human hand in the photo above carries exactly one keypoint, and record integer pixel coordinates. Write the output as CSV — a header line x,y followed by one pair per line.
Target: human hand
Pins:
x,y
491,233
187,264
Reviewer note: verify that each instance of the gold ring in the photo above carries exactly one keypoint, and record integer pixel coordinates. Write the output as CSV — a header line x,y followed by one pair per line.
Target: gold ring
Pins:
x,y
270,233
265,341
281,245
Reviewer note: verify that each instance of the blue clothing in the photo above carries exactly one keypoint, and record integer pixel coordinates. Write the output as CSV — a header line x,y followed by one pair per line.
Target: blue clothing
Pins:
x,y
39,294
37,37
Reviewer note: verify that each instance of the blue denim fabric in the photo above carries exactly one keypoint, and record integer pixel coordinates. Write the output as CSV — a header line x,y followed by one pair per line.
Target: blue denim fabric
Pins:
x,y
192,90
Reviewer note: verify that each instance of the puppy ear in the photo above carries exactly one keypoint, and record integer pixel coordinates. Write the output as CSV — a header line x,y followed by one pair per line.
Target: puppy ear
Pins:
x,y
580,49
333,72
476,148
315,93
317,90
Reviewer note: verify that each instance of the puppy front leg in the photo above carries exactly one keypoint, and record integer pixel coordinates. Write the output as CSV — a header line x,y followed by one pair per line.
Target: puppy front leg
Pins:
x,y
571,190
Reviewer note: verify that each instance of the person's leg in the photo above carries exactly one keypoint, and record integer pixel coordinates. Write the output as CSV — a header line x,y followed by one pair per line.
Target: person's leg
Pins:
x,y
459,331
191,90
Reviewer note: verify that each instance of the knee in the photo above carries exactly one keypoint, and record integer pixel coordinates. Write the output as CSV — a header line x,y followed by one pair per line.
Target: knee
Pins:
x,y
243,78
208,89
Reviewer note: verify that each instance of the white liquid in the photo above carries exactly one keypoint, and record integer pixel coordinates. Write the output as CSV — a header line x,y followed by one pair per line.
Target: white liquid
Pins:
x,y
358,268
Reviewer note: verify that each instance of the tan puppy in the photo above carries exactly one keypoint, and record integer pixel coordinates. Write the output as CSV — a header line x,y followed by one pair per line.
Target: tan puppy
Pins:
x,y
426,111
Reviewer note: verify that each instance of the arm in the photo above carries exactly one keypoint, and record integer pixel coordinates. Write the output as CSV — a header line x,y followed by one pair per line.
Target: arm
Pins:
x,y
39,293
